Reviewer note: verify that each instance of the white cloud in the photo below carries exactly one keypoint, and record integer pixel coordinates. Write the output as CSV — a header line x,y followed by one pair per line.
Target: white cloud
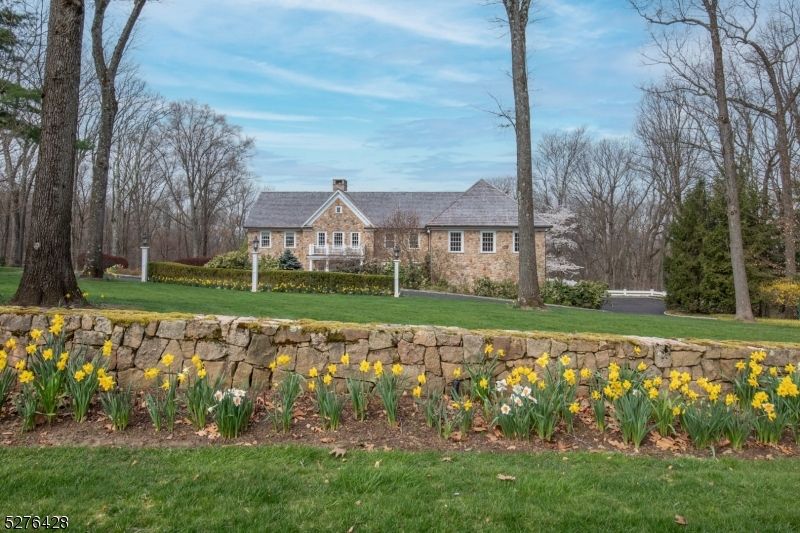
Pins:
x,y
266,116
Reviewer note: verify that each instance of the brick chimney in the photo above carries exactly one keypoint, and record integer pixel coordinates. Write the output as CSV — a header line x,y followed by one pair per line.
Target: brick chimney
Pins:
x,y
340,185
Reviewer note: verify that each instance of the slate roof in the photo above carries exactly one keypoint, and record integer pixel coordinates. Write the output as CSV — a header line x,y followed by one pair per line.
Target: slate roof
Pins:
x,y
482,205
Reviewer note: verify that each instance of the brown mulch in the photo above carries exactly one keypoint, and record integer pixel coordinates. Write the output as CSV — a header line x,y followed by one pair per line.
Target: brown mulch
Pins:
x,y
411,434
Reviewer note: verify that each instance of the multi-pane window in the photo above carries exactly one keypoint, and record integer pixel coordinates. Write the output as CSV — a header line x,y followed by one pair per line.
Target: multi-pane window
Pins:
x,y
355,240
413,241
456,241
288,239
266,239
487,242
321,238
516,241
388,240
338,239
338,209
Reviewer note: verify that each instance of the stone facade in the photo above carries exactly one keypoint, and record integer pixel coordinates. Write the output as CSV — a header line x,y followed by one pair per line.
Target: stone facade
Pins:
x,y
243,348
458,268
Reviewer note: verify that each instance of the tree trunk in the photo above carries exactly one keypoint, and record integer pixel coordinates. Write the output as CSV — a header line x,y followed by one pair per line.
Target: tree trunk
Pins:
x,y
106,75
529,294
744,310
48,277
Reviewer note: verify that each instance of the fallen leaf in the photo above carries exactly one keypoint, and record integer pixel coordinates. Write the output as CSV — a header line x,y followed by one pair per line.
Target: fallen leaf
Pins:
x,y
377,464
491,437
479,429
327,440
386,448
680,520
369,447
502,477
352,528
337,452
134,463
358,502
666,443
169,437
195,477
617,444
669,467
455,436
511,448
447,459
109,427
6,443
769,457
8,433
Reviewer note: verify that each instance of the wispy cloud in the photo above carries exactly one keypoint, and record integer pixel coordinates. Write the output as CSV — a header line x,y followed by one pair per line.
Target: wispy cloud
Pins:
x,y
266,116
433,20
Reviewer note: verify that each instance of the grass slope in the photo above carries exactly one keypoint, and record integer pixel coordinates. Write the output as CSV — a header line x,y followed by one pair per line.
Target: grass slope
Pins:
x,y
303,489
431,311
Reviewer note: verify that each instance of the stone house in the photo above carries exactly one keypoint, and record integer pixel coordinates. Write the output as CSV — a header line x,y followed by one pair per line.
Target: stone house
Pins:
x,y
467,235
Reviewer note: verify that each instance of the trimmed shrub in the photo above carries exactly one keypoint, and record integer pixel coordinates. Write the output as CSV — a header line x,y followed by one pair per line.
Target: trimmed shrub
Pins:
x,y
507,289
241,260
586,294
193,261
108,261
272,280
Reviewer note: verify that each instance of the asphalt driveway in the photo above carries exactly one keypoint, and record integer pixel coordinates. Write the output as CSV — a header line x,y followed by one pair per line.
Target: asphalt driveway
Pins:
x,y
636,306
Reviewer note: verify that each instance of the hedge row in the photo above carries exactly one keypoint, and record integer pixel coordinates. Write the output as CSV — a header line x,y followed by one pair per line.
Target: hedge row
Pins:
x,y
272,280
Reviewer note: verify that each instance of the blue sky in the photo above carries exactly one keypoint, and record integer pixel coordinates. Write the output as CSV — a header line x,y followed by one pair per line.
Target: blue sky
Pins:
x,y
389,94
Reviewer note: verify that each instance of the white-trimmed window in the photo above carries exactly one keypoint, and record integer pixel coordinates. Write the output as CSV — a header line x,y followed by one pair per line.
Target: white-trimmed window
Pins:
x,y
322,239
355,239
456,242
413,241
337,209
487,242
388,240
266,239
516,242
288,239
338,239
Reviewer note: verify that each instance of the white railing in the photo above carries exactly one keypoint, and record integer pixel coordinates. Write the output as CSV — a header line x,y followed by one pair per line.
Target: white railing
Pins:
x,y
344,251
625,293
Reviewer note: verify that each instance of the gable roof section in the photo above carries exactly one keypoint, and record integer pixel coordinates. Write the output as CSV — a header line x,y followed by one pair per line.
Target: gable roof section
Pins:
x,y
339,195
483,205
379,206
284,209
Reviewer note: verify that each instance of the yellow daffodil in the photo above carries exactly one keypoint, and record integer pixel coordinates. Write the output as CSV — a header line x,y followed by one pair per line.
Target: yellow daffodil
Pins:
x,y
36,334
397,369
101,372
789,369
586,373
20,366
657,381
345,359
332,369
488,349
422,379
150,373
569,376
758,356
26,377
544,360
62,364
364,366
417,392
55,329
378,367
574,407
637,350
11,343
642,367
327,379
731,399
467,405
165,385
196,360
457,372
3,364
313,372
759,399
181,377
201,373
741,365
312,385
653,393
676,411
773,371
565,360
30,349
483,383
79,375
273,365
686,377
88,368
106,382
284,360
596,395
501,353
107,347
167,360
787,387
47,355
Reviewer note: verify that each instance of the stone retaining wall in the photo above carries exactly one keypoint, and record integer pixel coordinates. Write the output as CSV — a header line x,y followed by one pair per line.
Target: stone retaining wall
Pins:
x,y
243,348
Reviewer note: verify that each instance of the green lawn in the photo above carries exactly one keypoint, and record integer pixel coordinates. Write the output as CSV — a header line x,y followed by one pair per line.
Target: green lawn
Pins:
x,y
366,309
266,488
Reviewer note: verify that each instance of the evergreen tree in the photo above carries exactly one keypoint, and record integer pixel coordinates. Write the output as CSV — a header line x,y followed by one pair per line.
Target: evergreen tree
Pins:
x,y
16,101
288,261
682,270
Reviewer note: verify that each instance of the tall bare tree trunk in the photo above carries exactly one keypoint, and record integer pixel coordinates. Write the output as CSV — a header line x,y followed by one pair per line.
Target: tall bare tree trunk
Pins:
x,y
106,75
529,294
48,276
744,310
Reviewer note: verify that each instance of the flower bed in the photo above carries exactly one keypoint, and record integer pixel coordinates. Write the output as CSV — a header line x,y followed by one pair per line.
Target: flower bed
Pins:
x,y
530,401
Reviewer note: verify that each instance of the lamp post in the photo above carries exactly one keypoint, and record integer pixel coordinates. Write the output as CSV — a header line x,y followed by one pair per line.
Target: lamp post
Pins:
x,y
396,271
145,250
254,287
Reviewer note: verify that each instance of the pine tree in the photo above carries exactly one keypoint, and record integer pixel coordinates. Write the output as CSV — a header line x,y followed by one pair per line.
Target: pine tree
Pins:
x,y
288,261
682,270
